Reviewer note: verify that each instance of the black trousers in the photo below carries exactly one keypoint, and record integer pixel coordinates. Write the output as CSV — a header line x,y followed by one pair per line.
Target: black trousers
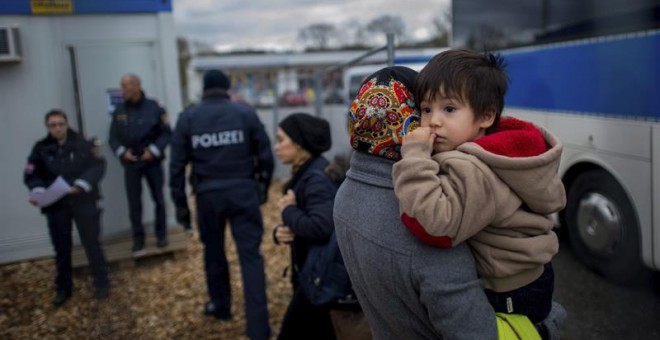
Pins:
x,y
305,321
240,206
533,300
87,216
133,174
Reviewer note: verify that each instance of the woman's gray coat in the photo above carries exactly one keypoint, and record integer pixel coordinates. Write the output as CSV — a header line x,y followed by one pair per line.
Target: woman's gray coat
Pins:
x,y
408,290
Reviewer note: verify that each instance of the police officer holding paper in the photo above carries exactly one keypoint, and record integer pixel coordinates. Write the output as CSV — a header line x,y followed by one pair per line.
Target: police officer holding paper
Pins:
x,y
231,162
66,154
139,133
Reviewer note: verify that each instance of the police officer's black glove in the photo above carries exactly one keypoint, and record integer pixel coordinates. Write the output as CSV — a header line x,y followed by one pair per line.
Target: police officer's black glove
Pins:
x,y
183,217
263,183
263,192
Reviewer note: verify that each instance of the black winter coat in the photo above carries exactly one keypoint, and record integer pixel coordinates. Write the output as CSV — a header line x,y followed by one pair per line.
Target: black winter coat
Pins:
x,y
311,218
75,160
138,125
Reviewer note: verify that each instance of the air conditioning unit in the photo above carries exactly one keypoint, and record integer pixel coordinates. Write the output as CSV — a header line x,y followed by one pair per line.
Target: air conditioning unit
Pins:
x,y
10,44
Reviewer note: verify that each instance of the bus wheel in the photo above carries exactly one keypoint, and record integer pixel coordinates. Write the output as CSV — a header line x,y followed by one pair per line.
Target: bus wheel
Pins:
x,y
602,227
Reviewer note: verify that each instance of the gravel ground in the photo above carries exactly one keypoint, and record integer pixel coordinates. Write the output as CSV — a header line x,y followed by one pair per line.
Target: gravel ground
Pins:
x,y
159,297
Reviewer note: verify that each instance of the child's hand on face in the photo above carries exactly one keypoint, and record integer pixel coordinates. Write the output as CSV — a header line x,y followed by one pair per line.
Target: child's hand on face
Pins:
x,y
420,135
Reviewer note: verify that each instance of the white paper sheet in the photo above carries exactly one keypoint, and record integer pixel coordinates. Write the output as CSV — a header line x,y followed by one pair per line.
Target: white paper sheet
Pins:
x,y
55,191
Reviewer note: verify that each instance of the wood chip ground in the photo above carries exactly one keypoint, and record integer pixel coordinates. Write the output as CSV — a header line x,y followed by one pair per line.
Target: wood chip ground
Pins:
x,y
157,297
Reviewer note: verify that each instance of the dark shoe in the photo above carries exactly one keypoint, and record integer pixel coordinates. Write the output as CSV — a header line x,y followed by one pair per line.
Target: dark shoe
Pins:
x,y
162,243
61,297
212,309
138,249
102,292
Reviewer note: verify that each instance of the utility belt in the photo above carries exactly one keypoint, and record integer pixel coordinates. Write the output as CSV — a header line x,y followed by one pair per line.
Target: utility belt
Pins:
x,y
225,183
204,177
227,170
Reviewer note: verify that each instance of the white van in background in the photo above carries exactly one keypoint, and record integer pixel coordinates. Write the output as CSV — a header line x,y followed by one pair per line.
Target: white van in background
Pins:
x,y
355,75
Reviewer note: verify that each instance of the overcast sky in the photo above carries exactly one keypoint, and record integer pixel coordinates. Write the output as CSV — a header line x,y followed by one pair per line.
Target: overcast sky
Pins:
x,y
241,24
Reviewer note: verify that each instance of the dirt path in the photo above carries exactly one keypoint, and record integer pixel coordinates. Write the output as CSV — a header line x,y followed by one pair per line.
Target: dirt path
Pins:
x,y
155,298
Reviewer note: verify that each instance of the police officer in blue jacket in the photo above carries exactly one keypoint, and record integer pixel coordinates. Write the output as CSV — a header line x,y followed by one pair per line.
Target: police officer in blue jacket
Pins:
x,y
79,162
228,147
139,133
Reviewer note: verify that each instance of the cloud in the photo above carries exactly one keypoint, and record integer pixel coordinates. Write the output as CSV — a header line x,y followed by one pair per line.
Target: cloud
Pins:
x,y
253,24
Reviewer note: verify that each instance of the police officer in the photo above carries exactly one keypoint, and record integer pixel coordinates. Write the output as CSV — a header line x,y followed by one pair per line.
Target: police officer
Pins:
x,y
228,147
139,133
65,153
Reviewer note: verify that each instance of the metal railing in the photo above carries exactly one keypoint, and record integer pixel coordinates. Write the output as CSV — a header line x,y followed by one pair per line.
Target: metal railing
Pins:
x,y
320,73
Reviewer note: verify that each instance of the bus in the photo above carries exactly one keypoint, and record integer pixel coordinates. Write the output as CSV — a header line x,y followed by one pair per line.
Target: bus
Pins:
x,y
589,71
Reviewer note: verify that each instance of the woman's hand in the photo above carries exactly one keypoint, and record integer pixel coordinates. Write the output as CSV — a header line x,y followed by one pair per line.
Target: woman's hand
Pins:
x,y
288,199
284,234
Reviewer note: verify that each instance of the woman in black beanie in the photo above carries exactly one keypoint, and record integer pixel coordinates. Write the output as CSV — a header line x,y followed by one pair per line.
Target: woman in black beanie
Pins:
x,y
306,209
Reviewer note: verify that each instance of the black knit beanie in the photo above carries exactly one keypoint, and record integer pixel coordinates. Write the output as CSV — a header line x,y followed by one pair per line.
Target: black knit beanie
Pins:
x,y
216,79
310,132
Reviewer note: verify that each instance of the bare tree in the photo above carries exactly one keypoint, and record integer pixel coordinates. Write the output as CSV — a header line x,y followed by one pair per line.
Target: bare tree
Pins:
x,y
442,23
387,24
318,36
442,28
352,34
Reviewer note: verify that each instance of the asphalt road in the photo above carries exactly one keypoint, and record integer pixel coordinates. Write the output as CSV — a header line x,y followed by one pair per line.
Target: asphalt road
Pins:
x,y
600,310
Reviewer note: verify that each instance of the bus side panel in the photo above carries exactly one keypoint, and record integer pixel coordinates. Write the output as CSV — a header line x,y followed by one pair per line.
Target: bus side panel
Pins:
x,y
634,176
621,161
600,97
656,195
627,138
614,156
538,118
614,77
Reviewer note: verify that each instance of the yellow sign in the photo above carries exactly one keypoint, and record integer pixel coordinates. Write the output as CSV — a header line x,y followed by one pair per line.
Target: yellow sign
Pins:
x,y
51,6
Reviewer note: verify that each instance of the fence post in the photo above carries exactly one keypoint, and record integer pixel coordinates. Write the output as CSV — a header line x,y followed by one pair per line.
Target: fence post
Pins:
x,y
276,107
390,49
318,89
319,73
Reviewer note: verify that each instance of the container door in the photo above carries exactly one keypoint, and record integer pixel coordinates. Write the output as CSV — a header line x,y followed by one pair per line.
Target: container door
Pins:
x,y
97,70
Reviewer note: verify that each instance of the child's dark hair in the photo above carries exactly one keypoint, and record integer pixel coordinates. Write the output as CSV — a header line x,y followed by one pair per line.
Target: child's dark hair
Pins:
x,y
337,169
477,79
55,112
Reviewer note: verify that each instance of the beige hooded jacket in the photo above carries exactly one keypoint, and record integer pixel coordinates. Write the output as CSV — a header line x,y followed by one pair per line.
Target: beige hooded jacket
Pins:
x,y
495,192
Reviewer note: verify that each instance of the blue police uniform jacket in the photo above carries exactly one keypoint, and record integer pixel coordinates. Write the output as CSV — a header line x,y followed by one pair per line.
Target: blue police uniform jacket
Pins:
x,y
78,161
139,125
226,143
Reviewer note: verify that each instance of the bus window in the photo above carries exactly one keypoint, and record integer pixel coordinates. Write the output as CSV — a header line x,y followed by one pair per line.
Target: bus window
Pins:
x,y
483,24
